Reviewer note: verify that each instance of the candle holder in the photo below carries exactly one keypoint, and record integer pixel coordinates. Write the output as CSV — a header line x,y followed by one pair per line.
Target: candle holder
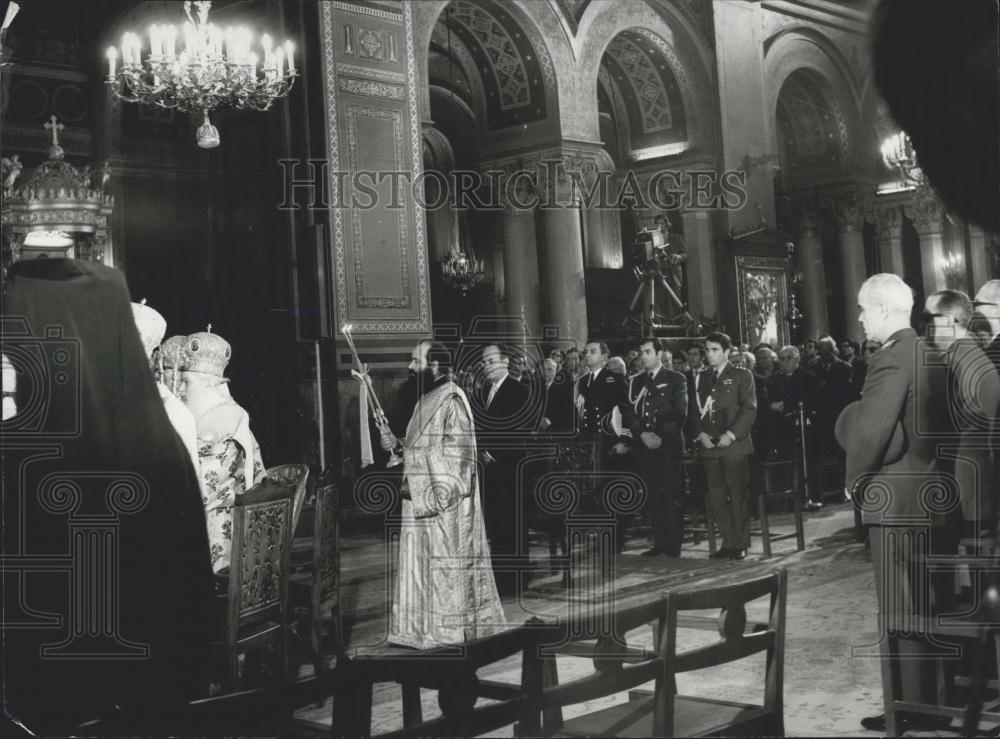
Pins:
x,y
214,71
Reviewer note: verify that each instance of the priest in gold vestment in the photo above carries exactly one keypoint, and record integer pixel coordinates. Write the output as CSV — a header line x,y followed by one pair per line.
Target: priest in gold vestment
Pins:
x,y
445,592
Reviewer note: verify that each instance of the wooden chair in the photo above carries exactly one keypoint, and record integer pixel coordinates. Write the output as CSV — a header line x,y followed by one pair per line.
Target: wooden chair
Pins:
x,y
619,668
319,581
292,474
970,624
777,481
451,671
257,597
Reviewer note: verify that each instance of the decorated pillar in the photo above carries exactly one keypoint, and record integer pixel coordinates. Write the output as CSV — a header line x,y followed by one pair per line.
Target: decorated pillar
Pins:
x,y
371,90
848,209
520,266
888,220
602,238
560,256
979,258
809,247
927,215
442,220
703,295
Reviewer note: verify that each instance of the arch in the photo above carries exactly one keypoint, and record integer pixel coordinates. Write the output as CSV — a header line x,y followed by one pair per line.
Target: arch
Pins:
x,y
672,34
809,53
511,34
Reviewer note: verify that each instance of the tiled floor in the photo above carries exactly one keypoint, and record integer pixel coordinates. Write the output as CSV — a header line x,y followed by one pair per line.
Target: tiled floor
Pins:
x,y
831,670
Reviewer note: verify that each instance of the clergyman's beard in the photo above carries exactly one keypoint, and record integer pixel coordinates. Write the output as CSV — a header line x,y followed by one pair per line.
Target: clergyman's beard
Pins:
x,y
425,381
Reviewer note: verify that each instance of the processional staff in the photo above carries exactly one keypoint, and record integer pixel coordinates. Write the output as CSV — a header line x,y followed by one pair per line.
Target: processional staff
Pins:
x,y
374,406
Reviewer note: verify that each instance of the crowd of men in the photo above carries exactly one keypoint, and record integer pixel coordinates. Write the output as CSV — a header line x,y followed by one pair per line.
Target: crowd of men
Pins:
x,y
706,406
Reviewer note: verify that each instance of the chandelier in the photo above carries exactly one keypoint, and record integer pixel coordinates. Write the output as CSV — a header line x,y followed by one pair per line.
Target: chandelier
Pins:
x,y
202,69
898,155
463,270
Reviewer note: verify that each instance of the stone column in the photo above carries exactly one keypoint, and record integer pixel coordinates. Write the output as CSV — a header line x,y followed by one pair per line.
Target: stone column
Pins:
x,y
520,266
927,215
809,249
442,221
602,238
703,295
888,221
979,258
560,259
847,209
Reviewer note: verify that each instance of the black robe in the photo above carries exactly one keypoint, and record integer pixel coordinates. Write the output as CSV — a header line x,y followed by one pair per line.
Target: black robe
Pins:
x,y
91,451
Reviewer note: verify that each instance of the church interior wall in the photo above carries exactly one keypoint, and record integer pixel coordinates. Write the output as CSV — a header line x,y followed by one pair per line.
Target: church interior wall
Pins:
x,y
197,232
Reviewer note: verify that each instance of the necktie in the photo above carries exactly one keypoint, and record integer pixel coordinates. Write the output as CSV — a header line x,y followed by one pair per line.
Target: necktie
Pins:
x,y
493,392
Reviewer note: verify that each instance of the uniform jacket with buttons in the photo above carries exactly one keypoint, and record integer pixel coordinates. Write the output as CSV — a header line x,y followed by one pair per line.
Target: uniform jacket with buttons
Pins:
x,y
734,408
900,388
658,404
601,393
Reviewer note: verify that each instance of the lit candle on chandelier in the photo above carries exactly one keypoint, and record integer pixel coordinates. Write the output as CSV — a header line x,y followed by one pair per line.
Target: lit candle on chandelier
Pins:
x,y
279,56
112,61
171,36
265,42
289,52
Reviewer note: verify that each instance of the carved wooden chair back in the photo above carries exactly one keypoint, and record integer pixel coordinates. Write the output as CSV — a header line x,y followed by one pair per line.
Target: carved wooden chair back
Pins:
x,y
292,474
257,607
323,579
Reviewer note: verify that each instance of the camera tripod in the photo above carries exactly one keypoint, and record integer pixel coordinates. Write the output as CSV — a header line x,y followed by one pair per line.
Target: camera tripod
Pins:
x,y
650,318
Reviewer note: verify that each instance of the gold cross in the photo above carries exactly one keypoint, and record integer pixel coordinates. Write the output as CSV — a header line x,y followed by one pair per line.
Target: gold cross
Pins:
x,y
55,127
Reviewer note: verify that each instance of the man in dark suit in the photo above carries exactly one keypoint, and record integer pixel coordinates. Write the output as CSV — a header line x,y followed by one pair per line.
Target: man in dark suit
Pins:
x,y
558,415
502,415
657,410
891,463
599,392
830,392
722,413
787,390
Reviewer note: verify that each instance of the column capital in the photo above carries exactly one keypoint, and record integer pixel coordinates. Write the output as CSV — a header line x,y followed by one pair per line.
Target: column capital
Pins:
x,y
926,212
887,219
847,207
555,171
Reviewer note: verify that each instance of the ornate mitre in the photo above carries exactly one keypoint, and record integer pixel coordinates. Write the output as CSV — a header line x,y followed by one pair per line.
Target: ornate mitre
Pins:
x,y
172,352
152,326
207,352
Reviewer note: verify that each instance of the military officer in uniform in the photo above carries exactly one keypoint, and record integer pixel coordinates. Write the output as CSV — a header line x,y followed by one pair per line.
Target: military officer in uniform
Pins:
x,y
599,392
891,466
657,410
723,410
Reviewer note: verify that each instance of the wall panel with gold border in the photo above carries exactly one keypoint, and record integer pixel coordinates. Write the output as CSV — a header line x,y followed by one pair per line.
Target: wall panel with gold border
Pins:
x,y
379,257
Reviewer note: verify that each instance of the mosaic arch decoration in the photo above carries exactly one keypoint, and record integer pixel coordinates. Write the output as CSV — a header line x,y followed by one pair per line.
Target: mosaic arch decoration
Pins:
x,y
813,132
516,69
648,82
573,10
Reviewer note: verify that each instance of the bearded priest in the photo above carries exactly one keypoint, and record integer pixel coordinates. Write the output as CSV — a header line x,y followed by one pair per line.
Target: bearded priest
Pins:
x,y
445,591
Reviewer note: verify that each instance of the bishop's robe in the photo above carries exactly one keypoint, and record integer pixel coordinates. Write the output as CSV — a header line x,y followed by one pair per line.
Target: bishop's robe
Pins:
x,y
445,591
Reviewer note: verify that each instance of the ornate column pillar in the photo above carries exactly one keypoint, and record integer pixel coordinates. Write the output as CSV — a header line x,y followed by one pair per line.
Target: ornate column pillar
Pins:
x,y
520,266
979,258
927,215
602,238
809,248
703,295
848,209
442,221
888,221
560,255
